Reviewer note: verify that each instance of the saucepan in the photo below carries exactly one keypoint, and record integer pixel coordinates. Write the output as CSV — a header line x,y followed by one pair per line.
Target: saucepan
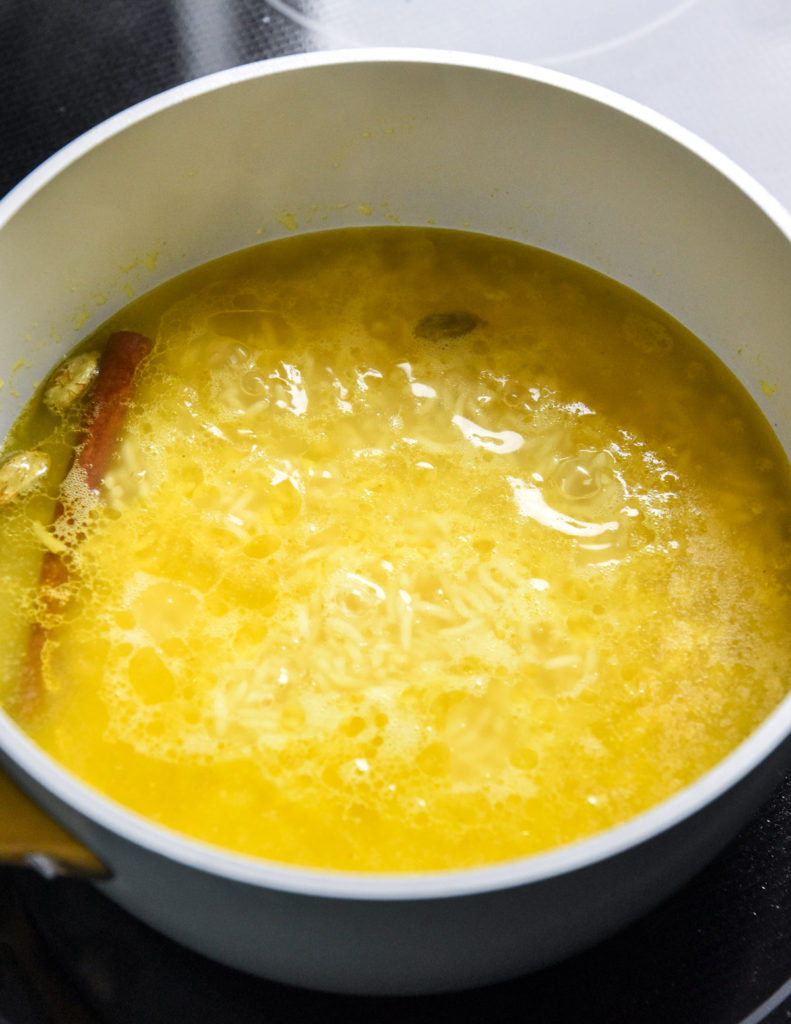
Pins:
x,y
418,137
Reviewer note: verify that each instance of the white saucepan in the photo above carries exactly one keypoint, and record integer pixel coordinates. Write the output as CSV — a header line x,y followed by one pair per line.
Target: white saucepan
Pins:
x,y
367,137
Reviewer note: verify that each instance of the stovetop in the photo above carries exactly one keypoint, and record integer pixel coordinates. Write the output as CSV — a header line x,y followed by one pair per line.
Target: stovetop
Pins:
x,y
719,952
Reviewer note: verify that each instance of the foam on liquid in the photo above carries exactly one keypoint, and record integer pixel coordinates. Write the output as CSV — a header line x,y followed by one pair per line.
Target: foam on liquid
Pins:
x,y
367,591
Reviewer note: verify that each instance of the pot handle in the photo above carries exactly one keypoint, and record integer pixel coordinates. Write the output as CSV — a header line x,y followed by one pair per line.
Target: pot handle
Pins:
x,y
30,838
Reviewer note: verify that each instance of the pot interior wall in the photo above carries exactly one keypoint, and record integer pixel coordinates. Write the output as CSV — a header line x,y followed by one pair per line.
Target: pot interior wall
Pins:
x,y
398,141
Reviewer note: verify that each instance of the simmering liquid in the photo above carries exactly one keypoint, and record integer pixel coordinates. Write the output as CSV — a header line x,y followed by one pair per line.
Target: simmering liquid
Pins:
x,y
419,550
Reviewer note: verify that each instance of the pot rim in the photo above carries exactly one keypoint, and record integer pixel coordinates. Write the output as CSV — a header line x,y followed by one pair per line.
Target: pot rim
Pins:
x,y
102,810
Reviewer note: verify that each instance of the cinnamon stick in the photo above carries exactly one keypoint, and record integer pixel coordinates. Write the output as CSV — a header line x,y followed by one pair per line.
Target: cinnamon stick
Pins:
x,y
103,422
108,403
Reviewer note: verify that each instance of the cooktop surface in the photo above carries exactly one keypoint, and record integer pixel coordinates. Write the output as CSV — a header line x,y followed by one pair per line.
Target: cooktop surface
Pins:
x,y
719,952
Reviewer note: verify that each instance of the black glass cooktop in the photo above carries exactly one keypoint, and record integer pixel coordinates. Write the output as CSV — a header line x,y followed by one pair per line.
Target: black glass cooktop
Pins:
x,y
719,952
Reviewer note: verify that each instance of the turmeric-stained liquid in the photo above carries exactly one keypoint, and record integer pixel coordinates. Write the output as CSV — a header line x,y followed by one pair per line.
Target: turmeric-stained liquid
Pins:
x,y
420,550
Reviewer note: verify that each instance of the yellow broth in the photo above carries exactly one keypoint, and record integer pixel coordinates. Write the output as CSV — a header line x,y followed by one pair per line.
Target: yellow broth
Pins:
x,y
420,550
